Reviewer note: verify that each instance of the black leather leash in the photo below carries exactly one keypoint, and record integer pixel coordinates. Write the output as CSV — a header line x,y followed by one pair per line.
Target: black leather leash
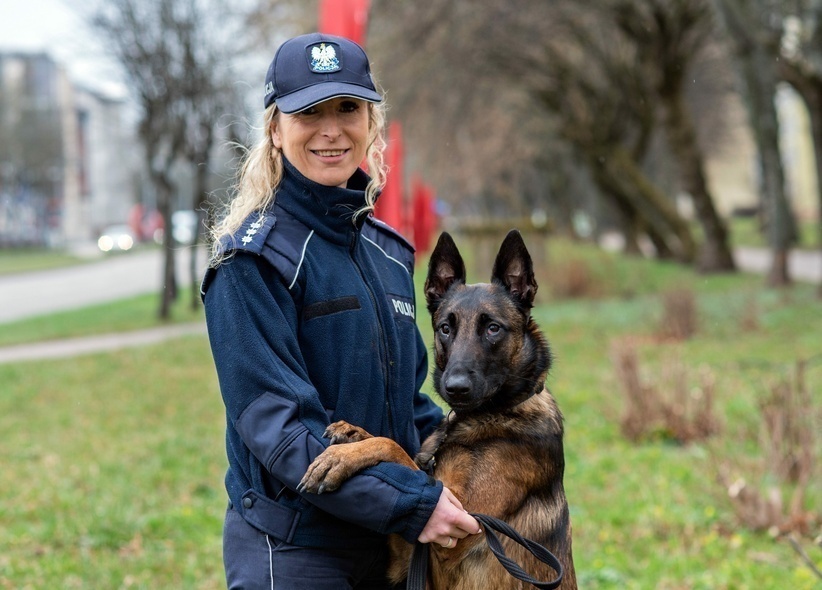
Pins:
x,y
418,570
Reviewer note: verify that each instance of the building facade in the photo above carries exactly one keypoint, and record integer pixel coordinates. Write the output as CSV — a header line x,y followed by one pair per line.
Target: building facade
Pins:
x,y
67,162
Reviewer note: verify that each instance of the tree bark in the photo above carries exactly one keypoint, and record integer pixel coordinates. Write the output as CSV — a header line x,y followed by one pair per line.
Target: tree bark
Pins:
x,y
168,292
618,175
715,253
809,86
200,204
756,59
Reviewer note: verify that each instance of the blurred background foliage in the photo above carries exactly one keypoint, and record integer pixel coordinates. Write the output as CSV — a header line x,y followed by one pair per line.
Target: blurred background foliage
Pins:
x,y
649,123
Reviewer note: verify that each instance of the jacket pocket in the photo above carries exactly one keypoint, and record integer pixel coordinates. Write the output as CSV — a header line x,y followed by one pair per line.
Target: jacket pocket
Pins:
x,y
269,516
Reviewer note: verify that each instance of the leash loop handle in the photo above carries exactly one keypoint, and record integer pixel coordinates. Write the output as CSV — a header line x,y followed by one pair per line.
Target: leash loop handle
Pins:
x,y
492,524
417,572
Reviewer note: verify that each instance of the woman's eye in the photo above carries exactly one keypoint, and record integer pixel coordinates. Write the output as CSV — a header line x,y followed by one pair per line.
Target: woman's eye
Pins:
x,y
308,111
348,106
493,329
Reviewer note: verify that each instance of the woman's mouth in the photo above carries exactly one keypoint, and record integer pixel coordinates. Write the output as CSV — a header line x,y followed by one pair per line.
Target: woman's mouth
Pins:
x,y
329,153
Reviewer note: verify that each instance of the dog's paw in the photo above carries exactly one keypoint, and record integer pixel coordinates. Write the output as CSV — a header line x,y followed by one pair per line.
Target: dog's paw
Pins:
x,y
343,432
326,473
425,461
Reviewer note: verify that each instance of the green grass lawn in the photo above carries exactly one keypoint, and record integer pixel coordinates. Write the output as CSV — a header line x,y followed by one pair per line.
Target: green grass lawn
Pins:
x,y
112,470
113,463
33,259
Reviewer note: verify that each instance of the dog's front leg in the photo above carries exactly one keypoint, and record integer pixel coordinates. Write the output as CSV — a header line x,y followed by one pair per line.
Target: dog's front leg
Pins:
x,y
352,450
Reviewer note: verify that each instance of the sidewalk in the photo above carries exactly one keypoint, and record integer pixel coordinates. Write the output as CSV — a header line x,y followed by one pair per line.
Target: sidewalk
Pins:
x,y
803,265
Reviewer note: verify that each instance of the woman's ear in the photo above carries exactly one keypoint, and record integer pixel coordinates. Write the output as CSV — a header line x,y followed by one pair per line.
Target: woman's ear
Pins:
x,y
275,135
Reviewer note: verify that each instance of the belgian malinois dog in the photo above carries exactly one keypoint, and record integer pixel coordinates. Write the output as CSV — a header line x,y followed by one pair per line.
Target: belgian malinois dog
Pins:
x,y
500,449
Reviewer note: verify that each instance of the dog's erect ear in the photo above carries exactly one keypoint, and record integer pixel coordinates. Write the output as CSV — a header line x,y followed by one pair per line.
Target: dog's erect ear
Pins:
x,y
514,269
445,267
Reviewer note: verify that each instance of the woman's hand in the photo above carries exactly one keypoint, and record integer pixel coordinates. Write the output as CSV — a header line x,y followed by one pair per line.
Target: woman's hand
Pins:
x,y
449,522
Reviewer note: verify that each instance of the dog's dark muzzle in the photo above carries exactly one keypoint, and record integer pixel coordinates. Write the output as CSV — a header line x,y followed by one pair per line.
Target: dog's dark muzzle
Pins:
x,y
460,387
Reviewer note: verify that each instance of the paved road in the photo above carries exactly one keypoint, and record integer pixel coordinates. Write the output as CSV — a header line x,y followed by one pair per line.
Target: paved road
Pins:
x,y
803,265
116,277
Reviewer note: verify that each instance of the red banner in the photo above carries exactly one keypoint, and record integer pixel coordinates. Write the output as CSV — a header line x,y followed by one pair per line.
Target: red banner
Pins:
x,y
391,204
346,18
423,216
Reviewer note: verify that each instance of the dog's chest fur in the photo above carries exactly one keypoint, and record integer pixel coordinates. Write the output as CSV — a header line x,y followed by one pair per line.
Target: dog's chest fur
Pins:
x,y
524,443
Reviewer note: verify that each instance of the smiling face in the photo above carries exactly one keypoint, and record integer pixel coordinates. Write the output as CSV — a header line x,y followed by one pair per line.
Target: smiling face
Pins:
x,y
326,142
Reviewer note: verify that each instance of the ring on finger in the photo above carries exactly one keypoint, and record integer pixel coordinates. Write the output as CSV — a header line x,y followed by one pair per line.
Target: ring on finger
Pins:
x,y
450,543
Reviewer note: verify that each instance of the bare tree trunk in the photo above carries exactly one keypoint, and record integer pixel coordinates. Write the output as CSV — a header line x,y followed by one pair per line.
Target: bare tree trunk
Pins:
x,y
633,224
815,110
715,254
200,204
168,291
756,61
173,63
668,36
780,225
809,86
619,176
659,211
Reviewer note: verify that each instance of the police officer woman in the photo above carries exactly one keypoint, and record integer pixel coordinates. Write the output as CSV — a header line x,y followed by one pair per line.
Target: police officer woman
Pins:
x,y
307,302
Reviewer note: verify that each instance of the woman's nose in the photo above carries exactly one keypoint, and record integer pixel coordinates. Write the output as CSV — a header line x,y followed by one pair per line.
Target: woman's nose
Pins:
x,y
330,125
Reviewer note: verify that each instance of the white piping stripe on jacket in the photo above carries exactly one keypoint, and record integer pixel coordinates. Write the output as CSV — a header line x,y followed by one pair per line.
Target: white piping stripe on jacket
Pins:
x,y
305,246
386,254
302,258
270,562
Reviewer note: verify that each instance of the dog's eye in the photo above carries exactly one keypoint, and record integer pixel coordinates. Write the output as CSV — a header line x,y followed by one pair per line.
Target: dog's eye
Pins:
x,y
445,329
493,329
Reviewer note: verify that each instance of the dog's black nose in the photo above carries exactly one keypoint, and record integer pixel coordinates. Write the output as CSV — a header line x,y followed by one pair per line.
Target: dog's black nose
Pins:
x,y
458,385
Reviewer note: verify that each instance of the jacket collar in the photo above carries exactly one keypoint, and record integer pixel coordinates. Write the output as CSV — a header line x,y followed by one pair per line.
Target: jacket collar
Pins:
x,y
328,210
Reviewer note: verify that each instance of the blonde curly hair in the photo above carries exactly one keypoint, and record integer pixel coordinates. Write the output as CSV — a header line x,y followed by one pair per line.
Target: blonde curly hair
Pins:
x,y
261,172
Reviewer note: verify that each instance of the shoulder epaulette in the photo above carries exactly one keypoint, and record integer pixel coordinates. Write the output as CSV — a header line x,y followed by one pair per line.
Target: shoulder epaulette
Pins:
x,y
252,234
251,237
283,248
390,231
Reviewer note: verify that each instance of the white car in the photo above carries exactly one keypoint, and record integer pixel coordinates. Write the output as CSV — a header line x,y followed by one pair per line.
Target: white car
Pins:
x,y
116,238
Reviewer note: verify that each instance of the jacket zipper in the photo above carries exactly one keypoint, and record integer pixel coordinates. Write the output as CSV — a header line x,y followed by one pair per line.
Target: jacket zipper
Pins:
x,y
383,340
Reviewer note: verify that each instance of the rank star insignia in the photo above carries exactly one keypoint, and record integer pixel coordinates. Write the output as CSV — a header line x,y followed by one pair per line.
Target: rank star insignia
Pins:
x,y
324,59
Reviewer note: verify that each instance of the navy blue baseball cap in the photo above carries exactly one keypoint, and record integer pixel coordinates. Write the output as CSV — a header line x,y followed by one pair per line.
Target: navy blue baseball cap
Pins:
x,y
312,68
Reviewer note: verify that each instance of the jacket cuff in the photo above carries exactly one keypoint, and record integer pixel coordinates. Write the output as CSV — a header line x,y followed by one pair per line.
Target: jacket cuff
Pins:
x,y
425,507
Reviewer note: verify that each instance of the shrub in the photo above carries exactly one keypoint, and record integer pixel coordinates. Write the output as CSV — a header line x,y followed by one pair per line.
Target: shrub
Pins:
x,y
787,442
572,278
671,408
679,314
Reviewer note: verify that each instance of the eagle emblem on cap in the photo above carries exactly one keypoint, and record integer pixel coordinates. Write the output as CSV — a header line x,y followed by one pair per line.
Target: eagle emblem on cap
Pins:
x,y
324,58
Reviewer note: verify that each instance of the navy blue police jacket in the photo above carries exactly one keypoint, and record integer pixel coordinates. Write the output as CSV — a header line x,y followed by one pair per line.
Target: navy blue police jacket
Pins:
x,y
311,320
